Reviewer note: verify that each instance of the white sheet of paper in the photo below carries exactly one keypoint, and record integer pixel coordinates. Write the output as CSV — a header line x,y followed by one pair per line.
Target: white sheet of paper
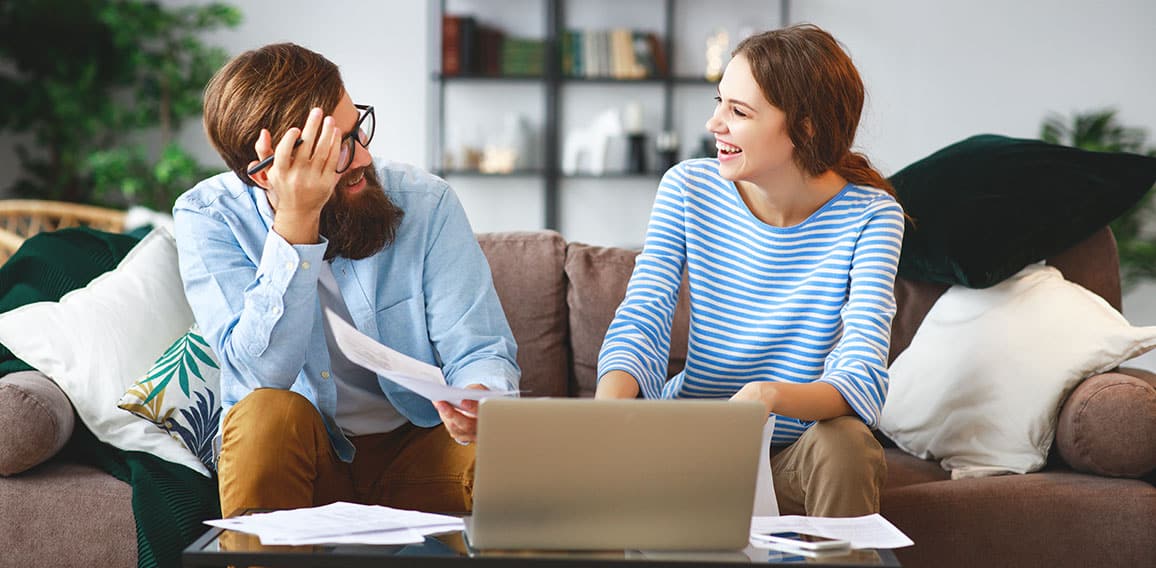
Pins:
x,y
417,376
341,523
870,531
765,503
399,536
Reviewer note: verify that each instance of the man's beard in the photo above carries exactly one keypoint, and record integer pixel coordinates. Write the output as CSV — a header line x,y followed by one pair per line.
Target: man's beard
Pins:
x,y
361,224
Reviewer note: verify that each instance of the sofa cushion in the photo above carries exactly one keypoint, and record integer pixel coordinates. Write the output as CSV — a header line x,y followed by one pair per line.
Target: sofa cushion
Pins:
x,y
67,514
527,272
598,278
1093,263
913,299
35,421
905,469
980,386
989,205
1050,518
1108,425
97,340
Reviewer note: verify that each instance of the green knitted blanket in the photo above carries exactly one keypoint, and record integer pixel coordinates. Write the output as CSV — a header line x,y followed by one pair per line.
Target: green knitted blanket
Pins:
x,y
169,501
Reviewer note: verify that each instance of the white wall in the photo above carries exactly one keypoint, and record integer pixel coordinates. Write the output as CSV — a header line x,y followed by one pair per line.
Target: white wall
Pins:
x,y
937,72
379,46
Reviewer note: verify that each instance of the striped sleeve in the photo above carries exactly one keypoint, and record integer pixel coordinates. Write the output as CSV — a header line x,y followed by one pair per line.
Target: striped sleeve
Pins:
x,y
638,340
857,366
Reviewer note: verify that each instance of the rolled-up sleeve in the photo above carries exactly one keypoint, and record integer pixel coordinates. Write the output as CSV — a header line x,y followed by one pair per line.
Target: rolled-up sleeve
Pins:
x,y
857,367
253,314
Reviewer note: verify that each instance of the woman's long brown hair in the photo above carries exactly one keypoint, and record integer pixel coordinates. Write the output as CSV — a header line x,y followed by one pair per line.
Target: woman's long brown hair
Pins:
x,y
804,72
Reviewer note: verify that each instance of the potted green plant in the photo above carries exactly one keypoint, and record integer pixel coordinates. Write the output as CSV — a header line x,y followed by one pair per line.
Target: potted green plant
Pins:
x,y
103,106
1135,230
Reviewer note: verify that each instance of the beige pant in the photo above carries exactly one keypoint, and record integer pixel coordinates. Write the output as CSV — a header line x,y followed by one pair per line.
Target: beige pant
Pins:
x,y
276,454
835,469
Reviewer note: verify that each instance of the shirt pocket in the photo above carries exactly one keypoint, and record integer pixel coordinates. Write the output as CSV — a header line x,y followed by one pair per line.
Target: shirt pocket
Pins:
x,y
402,327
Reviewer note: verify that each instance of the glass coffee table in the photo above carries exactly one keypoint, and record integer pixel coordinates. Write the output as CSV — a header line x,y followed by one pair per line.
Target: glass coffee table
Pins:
x,y
220,547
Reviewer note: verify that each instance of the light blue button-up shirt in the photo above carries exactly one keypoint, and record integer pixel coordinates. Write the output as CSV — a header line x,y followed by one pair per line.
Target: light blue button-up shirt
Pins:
x,y
429,295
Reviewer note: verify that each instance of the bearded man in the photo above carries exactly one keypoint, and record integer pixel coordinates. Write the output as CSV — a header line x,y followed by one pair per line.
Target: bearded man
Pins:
x,y
312,221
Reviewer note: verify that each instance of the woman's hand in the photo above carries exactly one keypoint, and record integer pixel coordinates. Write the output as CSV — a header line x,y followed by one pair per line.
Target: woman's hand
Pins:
x,y
303,176
461,422
759,391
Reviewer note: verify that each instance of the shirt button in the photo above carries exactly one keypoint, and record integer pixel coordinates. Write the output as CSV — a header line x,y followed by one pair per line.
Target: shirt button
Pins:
x,y
288,266
305,265
276,311
325,374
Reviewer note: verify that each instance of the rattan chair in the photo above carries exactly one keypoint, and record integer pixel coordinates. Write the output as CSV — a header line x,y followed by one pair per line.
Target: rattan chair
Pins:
x,y
22,218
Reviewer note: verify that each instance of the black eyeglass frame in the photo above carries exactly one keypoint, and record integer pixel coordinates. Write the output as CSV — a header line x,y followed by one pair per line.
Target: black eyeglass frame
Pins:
x,y
353,135
344,140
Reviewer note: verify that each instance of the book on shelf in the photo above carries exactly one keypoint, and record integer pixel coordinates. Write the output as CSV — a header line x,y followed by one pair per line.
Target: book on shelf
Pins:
x,y
490,47
619,53
451,44
468,47
471,48
521,56
658,54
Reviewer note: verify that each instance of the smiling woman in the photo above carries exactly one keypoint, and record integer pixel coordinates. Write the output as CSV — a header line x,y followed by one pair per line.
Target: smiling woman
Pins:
x,y
790,242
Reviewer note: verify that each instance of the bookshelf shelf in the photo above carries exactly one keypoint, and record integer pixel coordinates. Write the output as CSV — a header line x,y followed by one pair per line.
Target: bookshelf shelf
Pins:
x,y
489,78
613,80
481,174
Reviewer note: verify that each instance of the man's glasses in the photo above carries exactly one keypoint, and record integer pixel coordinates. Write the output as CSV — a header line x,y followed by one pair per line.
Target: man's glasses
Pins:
x,y
363,129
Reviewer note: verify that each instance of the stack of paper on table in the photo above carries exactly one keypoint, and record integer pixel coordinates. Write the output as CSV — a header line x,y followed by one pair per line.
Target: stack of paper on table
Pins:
x,y
870,531
341,523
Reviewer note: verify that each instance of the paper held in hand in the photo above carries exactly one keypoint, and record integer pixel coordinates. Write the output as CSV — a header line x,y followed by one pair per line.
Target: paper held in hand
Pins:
x,y
416,376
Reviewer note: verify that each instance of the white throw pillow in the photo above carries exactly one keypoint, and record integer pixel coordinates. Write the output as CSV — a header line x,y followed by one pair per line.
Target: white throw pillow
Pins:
x,y
981,384
99,340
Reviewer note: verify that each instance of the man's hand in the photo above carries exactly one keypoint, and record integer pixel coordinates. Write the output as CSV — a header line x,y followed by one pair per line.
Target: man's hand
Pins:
x,y
462,423
303,176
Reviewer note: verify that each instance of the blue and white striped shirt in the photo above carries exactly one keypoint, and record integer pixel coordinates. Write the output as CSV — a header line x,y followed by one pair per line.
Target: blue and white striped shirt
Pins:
x,y
811,302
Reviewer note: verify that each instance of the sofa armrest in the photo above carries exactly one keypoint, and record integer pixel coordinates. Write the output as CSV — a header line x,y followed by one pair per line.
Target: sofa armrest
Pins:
x,y
1107,426
36,421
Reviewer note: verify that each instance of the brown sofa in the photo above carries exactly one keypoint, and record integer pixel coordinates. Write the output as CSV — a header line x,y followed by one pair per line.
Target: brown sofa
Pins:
x,y
560,299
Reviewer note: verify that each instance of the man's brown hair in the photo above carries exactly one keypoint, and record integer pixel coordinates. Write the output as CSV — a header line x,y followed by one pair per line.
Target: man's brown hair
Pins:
x,y
275,87
271,87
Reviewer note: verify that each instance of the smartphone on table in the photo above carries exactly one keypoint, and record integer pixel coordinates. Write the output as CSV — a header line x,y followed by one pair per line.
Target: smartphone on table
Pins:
x,y
802,541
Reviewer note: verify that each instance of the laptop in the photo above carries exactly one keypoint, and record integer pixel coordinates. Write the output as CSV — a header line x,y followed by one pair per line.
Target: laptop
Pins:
x,y
582,474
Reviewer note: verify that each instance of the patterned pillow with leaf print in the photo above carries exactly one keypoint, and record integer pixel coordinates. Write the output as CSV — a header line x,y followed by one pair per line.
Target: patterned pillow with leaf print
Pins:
x,y
181,394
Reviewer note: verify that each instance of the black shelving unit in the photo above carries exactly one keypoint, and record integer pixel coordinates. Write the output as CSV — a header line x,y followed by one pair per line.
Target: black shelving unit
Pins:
x,y
552,81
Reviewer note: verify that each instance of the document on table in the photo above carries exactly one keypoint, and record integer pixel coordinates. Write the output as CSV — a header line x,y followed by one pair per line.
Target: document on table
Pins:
x,y
871,531
414,375
341,523
765,502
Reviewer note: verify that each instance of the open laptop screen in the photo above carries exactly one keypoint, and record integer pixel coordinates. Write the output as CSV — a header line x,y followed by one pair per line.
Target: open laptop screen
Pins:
x,y
581,474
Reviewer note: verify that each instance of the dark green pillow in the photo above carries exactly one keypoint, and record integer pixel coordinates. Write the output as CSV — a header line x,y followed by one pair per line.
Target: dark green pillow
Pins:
x,y
988,206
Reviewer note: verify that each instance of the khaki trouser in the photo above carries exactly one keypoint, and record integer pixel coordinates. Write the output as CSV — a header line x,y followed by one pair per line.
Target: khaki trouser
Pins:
x,y
276,454
835,469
